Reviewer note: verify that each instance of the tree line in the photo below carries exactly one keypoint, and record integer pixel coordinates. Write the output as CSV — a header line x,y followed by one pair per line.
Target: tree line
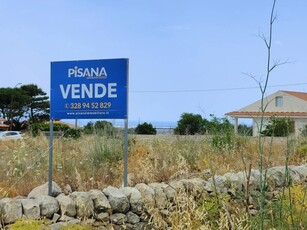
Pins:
x,y
192,124
195,124
29,104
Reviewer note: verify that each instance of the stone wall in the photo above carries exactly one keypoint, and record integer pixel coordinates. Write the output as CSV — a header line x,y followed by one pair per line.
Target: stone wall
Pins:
x,y
130,206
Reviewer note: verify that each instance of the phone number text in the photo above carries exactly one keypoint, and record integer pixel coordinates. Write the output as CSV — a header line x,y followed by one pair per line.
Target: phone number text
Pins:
x,y
88,105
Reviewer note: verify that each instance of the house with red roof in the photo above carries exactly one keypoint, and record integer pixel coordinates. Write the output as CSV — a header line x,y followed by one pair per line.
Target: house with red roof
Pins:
x,y
281,104
3,127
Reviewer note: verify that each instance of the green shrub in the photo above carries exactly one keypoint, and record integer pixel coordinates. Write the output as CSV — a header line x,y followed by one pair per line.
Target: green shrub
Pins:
x,y
213,206
29,224
288,212
304,131
301,149
105,150
100,128
145,128
279,127
68,132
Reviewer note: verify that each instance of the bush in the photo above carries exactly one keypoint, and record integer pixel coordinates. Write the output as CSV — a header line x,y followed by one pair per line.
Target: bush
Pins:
x,y
29,224
304,131
279,127
288,212
99,127
245,130
145,128
36,128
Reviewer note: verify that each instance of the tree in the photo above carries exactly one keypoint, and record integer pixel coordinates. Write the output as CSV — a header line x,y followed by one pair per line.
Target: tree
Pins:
x,y
37,106
5,102
27,103
12,101
145,128
190,124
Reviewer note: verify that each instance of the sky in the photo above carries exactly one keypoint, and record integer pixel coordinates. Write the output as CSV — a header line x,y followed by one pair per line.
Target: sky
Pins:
x,y
184,56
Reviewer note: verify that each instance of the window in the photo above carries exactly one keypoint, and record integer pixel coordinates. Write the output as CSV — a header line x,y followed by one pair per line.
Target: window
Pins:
x,y
278,101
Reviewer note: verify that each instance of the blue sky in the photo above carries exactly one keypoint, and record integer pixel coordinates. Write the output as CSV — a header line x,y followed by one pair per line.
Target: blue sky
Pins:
x,y
185,56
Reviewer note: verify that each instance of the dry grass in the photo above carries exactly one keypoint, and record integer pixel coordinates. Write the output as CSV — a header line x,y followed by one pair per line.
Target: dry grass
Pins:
x,y
96,161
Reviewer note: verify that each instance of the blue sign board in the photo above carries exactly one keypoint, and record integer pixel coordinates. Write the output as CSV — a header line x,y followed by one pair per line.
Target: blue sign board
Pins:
x,y
90,89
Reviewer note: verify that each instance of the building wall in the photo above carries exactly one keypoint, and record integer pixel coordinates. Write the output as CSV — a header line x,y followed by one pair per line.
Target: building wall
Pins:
x,y
290,104
299,124
256,125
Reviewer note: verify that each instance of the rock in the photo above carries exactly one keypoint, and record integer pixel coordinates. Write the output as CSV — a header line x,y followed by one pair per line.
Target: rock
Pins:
x,y
235,180
67,189
101,202
177,185
148,195
67,205
194,186
10,210
84,204
65,218
254,181
143,226
296,175
104,217
118,218
135,199
57,226
118,200
48,205
89,221
169,191
43,190
236,184
55,218
30,208
160,197
61,225
132,218
219,183
98,225
209,187
275,177
301,170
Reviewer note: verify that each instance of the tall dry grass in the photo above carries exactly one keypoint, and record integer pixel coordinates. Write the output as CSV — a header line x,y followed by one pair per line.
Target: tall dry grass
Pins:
x,y
95,161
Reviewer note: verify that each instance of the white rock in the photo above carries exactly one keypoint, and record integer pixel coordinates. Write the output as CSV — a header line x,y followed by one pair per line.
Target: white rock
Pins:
x,y
67,205
118,200
84,204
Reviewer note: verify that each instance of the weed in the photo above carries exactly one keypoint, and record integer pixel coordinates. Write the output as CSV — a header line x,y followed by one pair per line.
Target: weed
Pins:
x,y
29,224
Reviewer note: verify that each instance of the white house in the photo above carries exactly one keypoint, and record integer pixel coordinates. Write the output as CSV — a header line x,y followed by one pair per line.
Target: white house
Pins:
x,y
288,104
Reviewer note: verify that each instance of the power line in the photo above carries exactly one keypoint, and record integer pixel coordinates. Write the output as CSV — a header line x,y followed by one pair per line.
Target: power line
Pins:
x,y
210,90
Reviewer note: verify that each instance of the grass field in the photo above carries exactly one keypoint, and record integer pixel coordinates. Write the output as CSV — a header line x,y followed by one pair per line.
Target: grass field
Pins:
x,y
96,161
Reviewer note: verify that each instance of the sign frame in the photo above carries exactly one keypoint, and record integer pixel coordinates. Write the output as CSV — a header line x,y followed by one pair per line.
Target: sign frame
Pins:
x,y
77,86
89,89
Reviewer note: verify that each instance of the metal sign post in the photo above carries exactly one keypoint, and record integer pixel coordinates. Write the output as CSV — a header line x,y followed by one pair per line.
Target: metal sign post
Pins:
x,y
50,157
89,89
126,154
